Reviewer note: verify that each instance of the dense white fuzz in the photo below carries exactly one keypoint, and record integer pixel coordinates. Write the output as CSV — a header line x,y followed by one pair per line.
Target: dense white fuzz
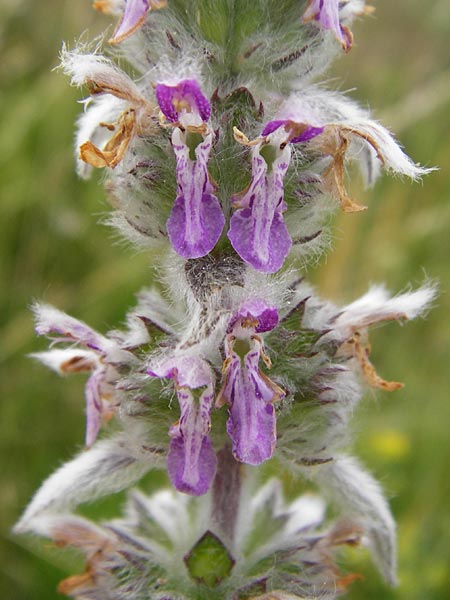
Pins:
x,y
360,496
108,467
368,138
375,306
97,70
295,519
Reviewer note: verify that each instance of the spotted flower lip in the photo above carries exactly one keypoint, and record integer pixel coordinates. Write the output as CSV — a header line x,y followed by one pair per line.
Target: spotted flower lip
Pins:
x,y
184,96
326,13
191,461
248,393
196,220
257,231
133,18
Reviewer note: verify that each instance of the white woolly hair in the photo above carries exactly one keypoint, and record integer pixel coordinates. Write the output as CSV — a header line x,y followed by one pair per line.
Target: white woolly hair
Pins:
x,y
373,307
320,107
55,359
108,467
358,494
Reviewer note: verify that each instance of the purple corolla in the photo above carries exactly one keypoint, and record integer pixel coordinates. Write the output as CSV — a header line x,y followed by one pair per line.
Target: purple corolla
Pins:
x,y
196,220
326,13
257,231
133,18
191,462
248,393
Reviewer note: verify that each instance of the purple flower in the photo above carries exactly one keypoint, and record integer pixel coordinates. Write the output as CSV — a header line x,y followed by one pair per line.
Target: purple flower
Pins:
x,y
184,97
191,462
257,229
249,393
196,220
100,357
326,13
134,17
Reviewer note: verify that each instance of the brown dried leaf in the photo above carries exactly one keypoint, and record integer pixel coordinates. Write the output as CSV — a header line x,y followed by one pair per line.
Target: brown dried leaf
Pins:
x,y
102,6
373,379
115,148
336,144
76,583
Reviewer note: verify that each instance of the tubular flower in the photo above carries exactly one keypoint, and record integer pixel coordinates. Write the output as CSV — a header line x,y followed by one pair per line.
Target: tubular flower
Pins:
x,y
249,393
133,17
326,13
257,229
191,462
196,220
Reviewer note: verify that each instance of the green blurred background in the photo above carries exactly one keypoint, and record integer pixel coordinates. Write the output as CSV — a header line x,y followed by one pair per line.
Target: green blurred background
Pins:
x,y
53,249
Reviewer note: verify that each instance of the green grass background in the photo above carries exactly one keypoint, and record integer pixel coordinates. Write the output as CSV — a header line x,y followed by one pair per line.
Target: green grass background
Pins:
x,y
51,248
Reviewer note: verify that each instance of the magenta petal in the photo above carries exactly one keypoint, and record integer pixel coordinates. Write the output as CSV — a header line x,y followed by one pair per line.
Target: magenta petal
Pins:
x,y
256,308
309,133
272,126
191,470
252,422
326,13
264,250
133,17
195,225
185,94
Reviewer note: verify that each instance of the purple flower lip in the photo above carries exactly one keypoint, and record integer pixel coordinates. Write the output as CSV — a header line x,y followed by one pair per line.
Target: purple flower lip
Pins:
x,y
196,220
256,314
257,229
184,96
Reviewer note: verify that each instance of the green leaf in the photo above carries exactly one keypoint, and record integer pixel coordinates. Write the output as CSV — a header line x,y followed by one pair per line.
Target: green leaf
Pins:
x,y
209,561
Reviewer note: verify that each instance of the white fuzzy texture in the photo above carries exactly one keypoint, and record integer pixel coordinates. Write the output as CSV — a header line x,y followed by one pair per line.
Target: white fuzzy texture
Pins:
x,y
83,68
375,306
108,467
62,328
321,107
360,496
79,532
296,518
55,359
350,9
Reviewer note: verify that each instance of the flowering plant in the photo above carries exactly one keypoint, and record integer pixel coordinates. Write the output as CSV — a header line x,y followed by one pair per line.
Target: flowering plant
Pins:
x,y
224,157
